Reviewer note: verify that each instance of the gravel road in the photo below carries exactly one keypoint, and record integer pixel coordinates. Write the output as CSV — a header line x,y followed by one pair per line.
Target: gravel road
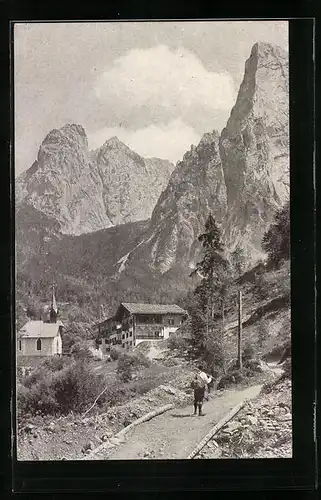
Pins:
x,y
175,434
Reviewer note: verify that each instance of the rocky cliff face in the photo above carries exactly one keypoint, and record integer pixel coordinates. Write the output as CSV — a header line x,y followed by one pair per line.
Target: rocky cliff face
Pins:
x,y
87,191
131,184
196,186
254,148
242,176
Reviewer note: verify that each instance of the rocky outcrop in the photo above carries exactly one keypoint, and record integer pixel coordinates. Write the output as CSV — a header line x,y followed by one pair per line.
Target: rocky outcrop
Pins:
x,y
131,184
87,191
254,149
262,429
196,186
63,183
242,176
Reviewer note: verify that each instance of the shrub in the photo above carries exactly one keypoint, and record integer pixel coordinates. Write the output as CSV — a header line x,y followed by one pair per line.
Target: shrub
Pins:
x,y
114,354
234,377
34,377
262,332
81,351
72,388
76,386
55,363
128,362
36,399
248,353
214,356
177,342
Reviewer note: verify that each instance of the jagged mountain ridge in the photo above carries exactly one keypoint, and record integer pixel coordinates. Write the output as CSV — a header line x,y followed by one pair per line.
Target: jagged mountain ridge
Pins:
x,y
86,191
254,148
241,176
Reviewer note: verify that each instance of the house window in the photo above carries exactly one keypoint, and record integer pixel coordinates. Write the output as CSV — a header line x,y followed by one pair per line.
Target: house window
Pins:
x,y
130,334
156,334
123,345
20,345
171,321
126,335
39,345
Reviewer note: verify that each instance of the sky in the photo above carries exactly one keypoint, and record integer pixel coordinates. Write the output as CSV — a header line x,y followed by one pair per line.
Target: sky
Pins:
x,y
157,86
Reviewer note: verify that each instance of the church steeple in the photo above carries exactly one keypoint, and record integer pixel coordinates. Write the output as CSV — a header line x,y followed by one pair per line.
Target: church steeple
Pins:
x,y
53,307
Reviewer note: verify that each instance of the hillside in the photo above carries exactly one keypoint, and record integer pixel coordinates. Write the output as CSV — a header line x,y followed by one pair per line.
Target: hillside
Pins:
x,y
264,424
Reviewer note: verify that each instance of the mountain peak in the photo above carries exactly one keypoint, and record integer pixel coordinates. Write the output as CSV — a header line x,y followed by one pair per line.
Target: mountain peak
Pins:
x,y
115,143
69,133
262,50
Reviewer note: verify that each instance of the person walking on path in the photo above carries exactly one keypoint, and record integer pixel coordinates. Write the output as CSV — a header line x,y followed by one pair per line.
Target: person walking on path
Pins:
x,y
199,384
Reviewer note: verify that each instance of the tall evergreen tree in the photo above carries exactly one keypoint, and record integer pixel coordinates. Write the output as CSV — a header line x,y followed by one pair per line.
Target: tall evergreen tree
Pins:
x,y
276,240
212,289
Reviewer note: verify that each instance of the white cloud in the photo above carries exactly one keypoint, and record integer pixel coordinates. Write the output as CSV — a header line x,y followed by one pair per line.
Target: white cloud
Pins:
x,y
169,141
158,80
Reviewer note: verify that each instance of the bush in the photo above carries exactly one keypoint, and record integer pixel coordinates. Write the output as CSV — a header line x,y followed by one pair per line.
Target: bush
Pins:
x,y
248,353
36,399
214,356
177,342
234,377
81,351
262,332
128,362
77,386
114,353
72,388
54,363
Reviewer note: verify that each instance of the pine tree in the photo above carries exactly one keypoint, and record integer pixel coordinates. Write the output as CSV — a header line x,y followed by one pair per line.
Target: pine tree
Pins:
x,y
238,260
213,269
276,241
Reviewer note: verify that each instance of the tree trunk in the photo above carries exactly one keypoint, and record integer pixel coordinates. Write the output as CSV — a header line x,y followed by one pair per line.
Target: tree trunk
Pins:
x,y
223,316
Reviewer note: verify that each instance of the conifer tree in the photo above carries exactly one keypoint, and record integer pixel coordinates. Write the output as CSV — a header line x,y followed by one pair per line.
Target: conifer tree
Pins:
x,y
276,240
212,289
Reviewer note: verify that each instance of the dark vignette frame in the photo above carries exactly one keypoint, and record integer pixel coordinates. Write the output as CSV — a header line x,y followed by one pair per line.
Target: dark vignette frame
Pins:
x,y
179,475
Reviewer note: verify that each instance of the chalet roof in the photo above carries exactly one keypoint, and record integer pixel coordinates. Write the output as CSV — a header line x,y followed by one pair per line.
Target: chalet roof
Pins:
x,y
39,329
135,308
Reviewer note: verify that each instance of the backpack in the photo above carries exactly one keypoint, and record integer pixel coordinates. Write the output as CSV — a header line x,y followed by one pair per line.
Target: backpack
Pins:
x,y
198,383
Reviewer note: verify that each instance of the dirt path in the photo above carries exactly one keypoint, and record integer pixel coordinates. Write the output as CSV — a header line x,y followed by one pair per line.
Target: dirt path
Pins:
x,y
174,434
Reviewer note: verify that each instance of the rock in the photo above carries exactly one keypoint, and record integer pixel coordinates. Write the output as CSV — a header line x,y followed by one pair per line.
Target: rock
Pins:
x,y
286,417
106,435
87,447
29,428
215,453
115,440
91,190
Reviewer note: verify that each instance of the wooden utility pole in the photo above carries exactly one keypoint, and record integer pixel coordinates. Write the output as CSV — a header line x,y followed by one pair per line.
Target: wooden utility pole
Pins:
x,y
223,316
207,317
239,340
